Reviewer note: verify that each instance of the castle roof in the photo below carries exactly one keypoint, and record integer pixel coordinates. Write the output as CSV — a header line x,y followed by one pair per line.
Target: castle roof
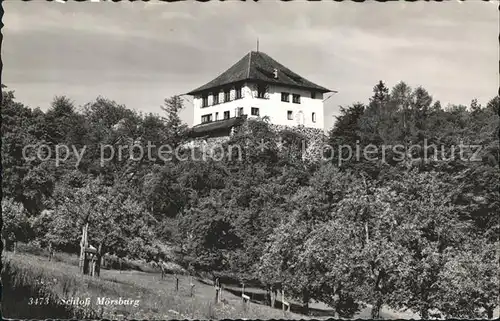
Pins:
x,y
217,126
258,66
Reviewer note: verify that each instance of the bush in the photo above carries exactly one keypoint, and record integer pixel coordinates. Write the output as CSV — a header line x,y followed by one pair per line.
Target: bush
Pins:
x,y
33,247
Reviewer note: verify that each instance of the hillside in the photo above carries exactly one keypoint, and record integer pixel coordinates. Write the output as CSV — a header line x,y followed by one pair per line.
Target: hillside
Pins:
x,y
375,218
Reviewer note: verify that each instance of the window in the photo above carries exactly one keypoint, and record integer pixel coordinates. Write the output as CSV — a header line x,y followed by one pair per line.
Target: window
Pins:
x,y
238,92
226,114
285,97
313,117
313,95
216,99
239,111
227,95
290,115
206,118
261,91
296,99
216,116
255,111
204,101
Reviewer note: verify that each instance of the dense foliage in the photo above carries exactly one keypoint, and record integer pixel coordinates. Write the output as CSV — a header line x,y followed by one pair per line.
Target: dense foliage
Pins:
x,y
412,228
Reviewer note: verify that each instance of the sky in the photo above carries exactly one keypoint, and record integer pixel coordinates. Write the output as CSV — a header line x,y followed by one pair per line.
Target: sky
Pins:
x,y
139,53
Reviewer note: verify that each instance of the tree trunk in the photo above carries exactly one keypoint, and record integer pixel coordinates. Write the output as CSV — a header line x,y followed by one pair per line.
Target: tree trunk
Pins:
x,y
216,295
489,311
282,299
98,261
15,246
337,307
367,234
376,309
82,249
273,297
305,302
268,297
424,313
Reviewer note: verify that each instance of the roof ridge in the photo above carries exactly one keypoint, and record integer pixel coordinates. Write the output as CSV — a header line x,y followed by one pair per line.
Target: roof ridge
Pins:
x,y
249,63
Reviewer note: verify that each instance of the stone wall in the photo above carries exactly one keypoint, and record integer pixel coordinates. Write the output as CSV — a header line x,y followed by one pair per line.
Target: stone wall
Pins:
x,y
314,139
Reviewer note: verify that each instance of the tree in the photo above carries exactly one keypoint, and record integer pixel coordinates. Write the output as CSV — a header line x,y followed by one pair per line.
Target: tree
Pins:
x,y
346,131
469,283
24,180
210,235
16,225
114,219
432,226
290,256
421,102
175,127
371,124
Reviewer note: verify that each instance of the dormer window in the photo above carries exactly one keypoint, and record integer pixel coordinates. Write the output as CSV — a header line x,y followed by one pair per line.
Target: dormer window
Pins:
x,y
204,101
227,95
296,99
261,91
216,98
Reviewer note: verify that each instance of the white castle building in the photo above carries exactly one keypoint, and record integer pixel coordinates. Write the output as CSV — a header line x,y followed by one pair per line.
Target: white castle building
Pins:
x,y
257,86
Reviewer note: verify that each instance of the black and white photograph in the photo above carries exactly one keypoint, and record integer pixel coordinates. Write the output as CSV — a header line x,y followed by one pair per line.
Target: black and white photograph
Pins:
x,y
250,160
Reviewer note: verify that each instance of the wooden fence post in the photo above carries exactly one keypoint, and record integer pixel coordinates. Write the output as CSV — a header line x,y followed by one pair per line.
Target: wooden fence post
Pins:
x,y
83,244
274,295
284,303
245,298
98,261
217,290
191,285
283,300
50,251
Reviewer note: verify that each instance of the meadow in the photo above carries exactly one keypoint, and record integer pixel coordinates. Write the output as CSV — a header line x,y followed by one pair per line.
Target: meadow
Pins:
x,y
60,279
28,275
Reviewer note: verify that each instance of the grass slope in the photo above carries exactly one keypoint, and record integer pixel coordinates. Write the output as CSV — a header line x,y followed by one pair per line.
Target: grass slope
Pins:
x,y
60,278
158,298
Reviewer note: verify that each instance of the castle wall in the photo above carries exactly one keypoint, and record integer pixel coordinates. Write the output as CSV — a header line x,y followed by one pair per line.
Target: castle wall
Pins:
x,y
270,106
